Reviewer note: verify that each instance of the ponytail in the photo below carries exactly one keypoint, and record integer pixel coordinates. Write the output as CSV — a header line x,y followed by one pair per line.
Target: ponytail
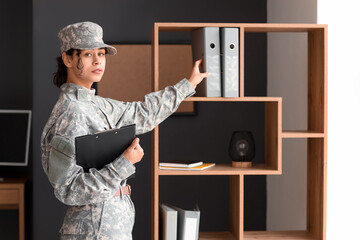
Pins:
x,y
60,76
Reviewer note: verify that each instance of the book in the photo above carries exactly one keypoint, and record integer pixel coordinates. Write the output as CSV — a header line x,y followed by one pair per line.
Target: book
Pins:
x,y
168,219
206,45
180,164
197,168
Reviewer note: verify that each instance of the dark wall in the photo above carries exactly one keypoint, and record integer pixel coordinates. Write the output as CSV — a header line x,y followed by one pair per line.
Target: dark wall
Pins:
x,y
123,22
16,91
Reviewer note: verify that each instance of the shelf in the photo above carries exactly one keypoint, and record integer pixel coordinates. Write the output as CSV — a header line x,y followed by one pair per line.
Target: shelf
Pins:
x,y
238,99
248,27
278,235
315,134
225,169
216,236
302,134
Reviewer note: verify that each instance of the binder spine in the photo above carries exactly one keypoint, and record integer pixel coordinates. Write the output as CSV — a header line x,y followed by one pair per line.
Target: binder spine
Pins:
x,y
212,54
206,45
230,62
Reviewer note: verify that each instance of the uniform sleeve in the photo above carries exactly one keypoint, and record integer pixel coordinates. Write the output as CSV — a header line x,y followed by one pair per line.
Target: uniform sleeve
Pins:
x,y
74,187
155,108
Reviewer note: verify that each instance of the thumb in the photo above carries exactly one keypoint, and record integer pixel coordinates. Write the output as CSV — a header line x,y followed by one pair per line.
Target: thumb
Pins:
x,y
134,143
198,62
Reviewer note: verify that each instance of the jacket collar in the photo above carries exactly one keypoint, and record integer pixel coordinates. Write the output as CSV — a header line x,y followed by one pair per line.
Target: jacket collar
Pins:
x,y
80,92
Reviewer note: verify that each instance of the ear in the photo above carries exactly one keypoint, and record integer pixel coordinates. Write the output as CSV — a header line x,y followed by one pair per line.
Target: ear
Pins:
x,y
67,59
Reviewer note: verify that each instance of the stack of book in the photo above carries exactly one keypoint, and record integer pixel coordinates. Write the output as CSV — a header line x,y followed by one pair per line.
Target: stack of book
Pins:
x,y
185,166
179,224
219,49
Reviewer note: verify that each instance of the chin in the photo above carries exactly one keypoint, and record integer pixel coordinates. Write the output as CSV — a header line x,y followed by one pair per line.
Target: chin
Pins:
x,y
97,80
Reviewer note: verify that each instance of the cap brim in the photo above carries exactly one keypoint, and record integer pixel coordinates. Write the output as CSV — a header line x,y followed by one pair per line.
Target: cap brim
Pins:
x,y
110,49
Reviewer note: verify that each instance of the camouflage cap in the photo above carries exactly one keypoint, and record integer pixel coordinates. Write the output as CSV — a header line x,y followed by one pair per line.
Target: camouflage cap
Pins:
x,y
83,35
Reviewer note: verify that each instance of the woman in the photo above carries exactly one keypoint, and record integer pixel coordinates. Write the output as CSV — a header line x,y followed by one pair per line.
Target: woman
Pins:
x,y
99,200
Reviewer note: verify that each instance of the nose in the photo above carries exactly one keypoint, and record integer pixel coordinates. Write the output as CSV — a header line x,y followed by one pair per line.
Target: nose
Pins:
x,y
96,60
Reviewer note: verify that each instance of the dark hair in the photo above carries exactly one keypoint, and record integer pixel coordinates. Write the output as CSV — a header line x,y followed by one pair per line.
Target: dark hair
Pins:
x,y
60,76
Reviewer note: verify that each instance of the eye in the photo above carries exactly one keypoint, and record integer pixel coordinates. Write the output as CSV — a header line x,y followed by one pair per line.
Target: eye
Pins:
x,y
88,54
101,54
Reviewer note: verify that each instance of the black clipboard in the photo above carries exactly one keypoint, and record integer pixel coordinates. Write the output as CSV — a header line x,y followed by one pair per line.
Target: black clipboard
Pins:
x,y
99,149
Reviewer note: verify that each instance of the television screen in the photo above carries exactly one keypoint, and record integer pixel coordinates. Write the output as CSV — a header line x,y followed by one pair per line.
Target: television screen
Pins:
x,y
14,137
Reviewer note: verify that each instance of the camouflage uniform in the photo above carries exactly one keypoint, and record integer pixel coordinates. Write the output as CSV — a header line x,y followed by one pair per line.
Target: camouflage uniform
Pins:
x,y
94,212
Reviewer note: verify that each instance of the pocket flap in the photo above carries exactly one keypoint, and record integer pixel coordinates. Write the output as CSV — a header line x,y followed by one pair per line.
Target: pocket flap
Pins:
x,y
73,228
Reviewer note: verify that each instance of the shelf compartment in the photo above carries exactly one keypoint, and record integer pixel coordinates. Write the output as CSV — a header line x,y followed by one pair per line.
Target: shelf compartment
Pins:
x,y
222,222
278,235
267,139
225,169
302,134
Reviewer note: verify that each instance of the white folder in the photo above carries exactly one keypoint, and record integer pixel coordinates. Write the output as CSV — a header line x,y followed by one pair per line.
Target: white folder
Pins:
x,y
230,61
206,45
188,224
169,222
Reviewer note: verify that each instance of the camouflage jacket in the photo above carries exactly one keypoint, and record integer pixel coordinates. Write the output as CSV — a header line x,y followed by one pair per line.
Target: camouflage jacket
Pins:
x,y
79,111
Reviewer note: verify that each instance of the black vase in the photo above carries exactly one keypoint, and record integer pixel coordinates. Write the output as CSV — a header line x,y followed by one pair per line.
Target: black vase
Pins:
x,y
242,148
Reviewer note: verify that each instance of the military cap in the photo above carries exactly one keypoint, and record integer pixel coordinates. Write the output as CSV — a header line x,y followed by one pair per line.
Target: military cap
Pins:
x,y
83,35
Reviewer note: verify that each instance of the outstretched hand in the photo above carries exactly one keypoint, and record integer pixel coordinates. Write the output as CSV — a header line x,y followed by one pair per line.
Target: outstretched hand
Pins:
x,y
196,76
134,152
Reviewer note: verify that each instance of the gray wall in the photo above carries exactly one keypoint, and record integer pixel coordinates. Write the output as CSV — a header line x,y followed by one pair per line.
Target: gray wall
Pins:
x,y
287,78
15,91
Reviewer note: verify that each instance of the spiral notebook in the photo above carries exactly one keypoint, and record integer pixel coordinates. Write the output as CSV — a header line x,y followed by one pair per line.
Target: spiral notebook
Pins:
x,y
99,149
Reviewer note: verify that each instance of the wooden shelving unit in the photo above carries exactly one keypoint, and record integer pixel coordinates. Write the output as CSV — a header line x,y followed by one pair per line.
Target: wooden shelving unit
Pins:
x,y
316,135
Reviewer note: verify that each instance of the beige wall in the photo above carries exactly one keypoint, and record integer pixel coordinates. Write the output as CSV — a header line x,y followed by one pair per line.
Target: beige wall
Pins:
x,y
287,77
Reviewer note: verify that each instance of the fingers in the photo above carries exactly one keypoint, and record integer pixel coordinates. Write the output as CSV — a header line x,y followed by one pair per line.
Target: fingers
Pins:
x,y
134,143
139,148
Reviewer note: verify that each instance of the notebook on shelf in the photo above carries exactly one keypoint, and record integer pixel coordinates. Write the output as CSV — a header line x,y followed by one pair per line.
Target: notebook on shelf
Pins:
x,y
181,164
197,168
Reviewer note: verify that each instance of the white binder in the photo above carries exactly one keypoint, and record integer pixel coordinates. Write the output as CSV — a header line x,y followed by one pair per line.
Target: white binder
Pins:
x,y
230,62
168,222
188,224
206,45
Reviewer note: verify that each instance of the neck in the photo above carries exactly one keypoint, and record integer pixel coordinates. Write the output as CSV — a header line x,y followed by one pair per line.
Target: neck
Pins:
x,y
71,78
86,85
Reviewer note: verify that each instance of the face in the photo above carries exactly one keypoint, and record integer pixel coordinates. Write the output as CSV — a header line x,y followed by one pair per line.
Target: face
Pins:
x,y
88,70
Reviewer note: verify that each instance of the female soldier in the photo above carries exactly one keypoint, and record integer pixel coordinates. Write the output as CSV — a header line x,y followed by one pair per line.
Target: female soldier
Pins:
x,y
99,200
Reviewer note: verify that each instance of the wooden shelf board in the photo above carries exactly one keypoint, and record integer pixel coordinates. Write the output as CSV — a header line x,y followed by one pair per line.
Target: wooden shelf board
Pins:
x,y
238,99
278,235
254,27
248,27
302,134
224,169
216,236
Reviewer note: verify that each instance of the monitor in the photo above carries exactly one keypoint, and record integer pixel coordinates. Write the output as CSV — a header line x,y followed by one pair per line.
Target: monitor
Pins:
x,y
14,137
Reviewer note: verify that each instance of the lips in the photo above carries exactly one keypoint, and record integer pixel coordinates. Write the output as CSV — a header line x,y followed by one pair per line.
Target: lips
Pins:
x,y
97,71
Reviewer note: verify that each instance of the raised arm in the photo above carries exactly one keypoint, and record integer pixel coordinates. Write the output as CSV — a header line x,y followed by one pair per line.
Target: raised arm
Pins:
x,y
156,107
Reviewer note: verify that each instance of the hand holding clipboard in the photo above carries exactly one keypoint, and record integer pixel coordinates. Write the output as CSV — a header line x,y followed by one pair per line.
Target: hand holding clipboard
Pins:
x,y
99,149
134,152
